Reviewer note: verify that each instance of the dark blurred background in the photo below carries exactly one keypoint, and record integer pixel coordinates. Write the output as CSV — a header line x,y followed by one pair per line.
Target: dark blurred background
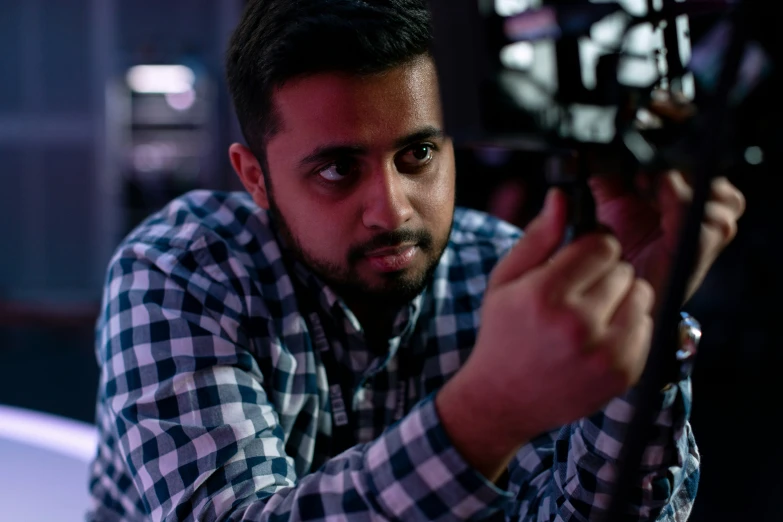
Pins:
x,y
83,159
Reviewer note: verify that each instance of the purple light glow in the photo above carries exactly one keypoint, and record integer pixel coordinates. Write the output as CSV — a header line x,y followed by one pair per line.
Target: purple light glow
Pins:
x,y
64,436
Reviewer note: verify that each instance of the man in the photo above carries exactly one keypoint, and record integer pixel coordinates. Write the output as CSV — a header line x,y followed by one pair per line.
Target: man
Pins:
x,y
311,350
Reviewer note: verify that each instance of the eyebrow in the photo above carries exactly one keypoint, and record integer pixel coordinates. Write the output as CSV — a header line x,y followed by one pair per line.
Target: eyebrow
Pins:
x,y
425,133
328,152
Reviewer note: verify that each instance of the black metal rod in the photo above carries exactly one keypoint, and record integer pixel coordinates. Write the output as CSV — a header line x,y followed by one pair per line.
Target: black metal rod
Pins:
x,y
666,323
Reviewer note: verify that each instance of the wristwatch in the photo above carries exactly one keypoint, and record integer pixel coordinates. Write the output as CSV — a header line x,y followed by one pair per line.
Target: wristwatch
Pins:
x,y
688,337
688,343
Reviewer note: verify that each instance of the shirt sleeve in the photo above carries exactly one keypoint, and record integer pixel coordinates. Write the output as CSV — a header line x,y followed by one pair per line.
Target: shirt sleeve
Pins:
x,y
201,440
568,475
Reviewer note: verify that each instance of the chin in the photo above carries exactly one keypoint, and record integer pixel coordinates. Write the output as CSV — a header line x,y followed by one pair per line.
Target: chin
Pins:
x,y
395,287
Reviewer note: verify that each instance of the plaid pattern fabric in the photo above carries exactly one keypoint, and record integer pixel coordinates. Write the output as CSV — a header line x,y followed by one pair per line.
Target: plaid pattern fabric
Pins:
x,y
213,404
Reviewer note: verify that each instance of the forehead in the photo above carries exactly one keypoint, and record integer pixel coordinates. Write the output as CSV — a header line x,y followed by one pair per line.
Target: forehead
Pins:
x,y
364,110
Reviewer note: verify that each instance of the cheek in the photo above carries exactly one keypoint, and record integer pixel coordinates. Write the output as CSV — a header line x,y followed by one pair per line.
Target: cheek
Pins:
x,y
320,230
435,200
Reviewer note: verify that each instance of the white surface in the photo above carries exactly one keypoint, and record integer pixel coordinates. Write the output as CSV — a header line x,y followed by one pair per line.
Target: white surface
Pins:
x,y
65,436
44,466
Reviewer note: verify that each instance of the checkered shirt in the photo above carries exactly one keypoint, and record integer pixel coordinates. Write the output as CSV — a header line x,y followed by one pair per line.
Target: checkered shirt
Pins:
x,y
214,405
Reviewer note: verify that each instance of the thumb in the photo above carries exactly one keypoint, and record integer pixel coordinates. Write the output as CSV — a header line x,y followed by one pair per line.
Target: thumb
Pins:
x,y
541,239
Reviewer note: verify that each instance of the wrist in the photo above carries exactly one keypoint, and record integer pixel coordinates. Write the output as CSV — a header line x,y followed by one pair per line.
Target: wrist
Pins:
x,y
477,426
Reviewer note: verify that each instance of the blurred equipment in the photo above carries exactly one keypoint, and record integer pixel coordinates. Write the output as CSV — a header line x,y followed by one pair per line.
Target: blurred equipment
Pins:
x,y
616,87
167,130
577,80
534,74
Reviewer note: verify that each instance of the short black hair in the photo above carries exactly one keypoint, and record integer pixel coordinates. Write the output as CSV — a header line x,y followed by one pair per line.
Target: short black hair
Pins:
x,y
280,40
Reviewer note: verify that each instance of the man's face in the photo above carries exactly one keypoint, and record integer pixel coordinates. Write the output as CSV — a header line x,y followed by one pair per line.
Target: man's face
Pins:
x,y
362,179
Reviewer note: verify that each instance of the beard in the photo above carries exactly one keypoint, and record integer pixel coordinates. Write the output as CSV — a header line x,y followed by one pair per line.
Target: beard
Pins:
x,y
395,290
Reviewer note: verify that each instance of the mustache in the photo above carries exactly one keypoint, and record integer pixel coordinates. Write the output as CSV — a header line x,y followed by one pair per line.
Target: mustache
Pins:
x,y
420,238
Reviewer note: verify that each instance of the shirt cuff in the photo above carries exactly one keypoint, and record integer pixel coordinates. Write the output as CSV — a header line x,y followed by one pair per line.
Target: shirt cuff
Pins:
x,y
605,431
417,474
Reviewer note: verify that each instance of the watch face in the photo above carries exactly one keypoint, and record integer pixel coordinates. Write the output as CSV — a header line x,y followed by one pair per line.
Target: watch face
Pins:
x,y
690,335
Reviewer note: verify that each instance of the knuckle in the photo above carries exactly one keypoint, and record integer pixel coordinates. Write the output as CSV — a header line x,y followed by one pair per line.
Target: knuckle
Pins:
x,y
625,271
728,228
606,246
743,202
738,199
723,221
643,292
731,194
577,327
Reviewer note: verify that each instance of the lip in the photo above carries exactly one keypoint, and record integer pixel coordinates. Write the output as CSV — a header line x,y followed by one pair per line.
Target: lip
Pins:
x,y
392,259
389,251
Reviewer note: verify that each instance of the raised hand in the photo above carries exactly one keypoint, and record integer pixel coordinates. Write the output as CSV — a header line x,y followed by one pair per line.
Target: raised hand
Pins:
x,y
563,332
648,230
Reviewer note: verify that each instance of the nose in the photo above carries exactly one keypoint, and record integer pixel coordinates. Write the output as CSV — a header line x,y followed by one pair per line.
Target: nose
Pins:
x,y
386,202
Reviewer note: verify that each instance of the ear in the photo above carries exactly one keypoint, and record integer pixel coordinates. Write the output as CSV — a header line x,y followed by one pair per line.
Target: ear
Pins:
x,y
249,171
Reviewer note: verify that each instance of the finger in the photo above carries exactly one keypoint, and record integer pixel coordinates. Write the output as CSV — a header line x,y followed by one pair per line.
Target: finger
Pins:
x,y
718,229
725,207
542,238
581,264
724,192
630,331
605,296
637,302
674,191
720,219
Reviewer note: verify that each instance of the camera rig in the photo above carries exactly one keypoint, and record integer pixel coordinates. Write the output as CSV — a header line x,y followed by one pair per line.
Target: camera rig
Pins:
x,y
586,80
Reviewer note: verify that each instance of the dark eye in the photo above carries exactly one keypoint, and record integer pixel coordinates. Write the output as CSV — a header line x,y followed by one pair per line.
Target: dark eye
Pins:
x,y
336,171
415,157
